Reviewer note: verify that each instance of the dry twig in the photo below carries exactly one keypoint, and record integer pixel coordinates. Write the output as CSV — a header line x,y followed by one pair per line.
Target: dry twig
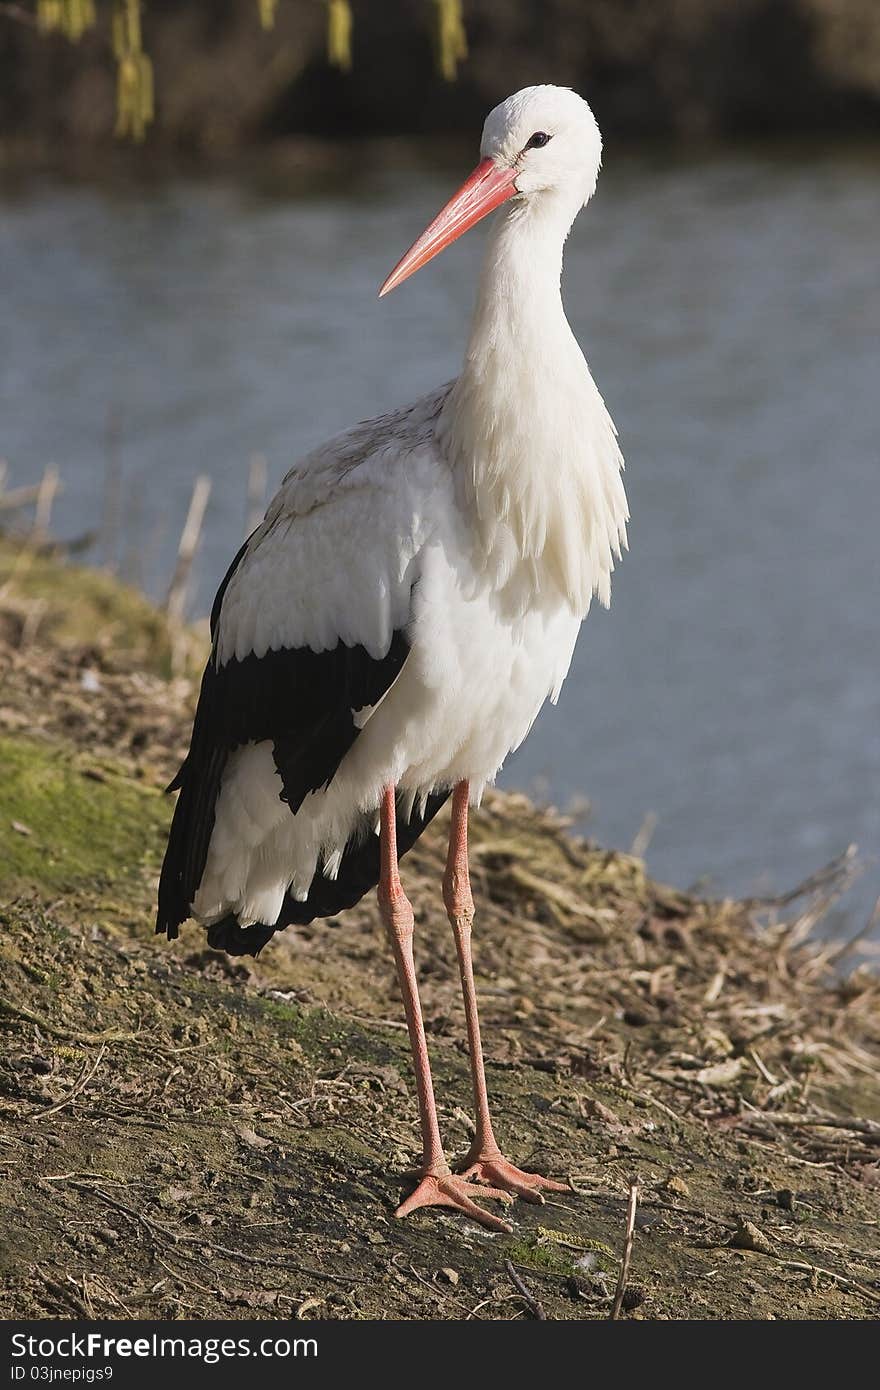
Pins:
x,y
627,1251
84,1079
534,1304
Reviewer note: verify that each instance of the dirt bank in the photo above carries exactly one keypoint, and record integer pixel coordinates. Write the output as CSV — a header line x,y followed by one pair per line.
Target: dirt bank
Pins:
x,y
185,1136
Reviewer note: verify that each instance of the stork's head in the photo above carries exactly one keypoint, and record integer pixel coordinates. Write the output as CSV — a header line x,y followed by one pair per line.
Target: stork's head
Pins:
x,y
548,137
541,147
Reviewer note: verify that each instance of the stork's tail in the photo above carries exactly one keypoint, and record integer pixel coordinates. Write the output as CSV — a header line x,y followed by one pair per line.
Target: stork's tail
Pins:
x,y
358,874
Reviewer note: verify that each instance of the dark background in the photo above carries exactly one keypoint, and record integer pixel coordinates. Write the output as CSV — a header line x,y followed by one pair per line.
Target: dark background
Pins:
x,y
688,69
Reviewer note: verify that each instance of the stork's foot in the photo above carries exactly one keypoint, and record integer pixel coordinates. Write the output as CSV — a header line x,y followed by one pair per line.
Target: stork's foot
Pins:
x,y
450,1190
490,1166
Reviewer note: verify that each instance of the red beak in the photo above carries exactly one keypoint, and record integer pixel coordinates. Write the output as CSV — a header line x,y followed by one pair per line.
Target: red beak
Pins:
x,y
485,189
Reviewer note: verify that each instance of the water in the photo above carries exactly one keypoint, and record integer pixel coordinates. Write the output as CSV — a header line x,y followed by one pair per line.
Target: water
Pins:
x,y
730,310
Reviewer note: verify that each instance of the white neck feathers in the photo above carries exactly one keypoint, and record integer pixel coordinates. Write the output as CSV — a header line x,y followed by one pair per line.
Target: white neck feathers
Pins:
x,y
534,449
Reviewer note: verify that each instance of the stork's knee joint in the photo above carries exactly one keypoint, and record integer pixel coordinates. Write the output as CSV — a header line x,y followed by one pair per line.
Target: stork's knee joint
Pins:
x,y
459,901
397,914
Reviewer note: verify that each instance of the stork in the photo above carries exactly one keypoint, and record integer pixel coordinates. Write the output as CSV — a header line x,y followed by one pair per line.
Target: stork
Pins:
x,y
390,631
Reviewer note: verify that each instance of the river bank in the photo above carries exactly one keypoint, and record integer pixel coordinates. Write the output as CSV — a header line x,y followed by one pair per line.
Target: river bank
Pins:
x,y
189,1136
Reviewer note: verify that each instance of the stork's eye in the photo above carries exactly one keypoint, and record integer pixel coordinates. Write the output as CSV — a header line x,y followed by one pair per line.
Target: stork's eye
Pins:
x,y
539,139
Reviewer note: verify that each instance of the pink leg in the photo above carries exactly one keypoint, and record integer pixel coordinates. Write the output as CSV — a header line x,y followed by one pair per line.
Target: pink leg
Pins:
x,y
485,1162
437,1185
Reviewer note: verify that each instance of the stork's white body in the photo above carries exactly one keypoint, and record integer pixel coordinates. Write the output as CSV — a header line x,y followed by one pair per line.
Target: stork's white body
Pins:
x,y
481,521
391,630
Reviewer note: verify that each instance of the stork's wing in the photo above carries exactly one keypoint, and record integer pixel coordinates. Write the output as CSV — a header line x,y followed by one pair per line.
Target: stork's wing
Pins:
x,y
309,629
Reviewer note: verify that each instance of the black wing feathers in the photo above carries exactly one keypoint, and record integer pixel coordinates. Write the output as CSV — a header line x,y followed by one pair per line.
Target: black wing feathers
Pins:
x,y
301,701
224,584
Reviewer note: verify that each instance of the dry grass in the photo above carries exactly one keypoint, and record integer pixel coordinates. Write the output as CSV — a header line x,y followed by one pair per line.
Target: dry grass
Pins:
x,y
209,1138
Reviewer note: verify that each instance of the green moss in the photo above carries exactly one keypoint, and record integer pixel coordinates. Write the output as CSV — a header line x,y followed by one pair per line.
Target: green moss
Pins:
x,y
555,1252
541,1255
73,832
285,1013
85,607
317,1031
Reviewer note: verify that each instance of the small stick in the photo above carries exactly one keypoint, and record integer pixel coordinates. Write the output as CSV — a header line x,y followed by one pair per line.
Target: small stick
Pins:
x,y
522,1287
19,497
46,491
156,1229
658,1104
10,1010
840,952
34,616
842,1279
762,1068
645,834
869,1128
80,1086
189,540
627,1251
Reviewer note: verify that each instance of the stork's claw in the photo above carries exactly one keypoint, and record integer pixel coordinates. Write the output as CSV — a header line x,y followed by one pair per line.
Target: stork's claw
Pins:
x,y
449,1190
494,1168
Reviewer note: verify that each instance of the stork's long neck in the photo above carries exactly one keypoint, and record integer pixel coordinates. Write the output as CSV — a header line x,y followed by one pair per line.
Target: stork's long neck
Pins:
x,y
519,298
535,452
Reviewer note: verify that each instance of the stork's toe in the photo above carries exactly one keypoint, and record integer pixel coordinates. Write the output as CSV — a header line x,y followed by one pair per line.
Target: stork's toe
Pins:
x,y
450,1190
494,1169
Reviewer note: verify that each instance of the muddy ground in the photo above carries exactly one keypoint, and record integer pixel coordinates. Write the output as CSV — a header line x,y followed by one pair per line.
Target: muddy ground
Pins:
x,y
186,1136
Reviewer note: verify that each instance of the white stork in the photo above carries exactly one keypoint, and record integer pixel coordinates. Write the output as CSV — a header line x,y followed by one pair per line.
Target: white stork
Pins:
x,y
390,631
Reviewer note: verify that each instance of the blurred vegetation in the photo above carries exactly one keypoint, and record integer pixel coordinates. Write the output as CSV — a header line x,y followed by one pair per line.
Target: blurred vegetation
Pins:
x,y
231,74
70,606
135,105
